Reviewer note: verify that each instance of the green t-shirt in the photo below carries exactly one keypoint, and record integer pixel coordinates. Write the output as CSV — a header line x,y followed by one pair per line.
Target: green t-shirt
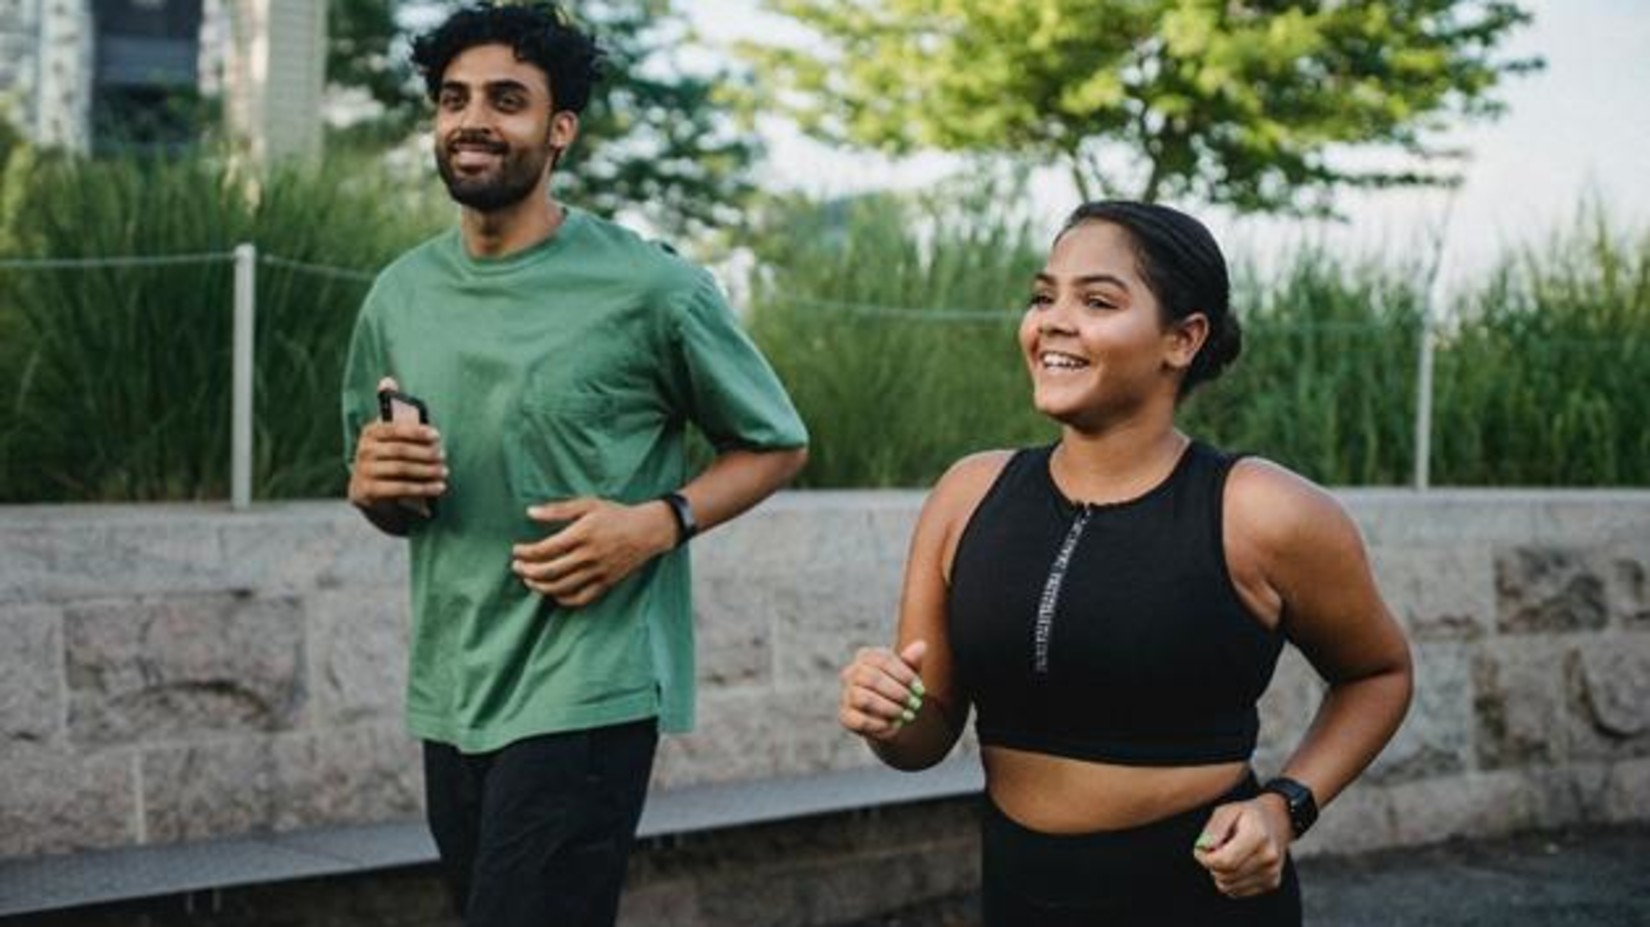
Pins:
x,y
568,369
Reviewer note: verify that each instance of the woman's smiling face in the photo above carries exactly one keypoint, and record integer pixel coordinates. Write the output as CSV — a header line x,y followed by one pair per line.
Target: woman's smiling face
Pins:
x,y
1093,336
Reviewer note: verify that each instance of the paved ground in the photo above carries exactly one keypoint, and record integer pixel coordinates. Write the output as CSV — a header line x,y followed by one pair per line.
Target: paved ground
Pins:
x,y
1598,877
1584,878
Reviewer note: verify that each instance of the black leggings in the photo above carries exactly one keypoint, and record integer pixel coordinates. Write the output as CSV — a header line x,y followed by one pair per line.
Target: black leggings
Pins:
x,y
1138,876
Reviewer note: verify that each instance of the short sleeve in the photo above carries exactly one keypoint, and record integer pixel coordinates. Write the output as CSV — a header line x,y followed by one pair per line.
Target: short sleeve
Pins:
x,y
364,366
728,388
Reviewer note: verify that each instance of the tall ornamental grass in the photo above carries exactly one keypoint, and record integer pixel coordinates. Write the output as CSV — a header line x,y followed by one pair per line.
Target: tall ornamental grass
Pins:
x,y
869,310
117,378
1326,380
892,320
893,328
1545,379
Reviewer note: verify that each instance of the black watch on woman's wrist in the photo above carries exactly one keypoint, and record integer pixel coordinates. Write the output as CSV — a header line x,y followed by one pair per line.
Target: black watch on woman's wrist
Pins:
x,y
1303,807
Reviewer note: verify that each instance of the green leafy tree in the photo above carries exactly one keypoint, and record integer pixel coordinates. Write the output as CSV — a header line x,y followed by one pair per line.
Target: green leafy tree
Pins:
x,y
363,53
656,140
1258,104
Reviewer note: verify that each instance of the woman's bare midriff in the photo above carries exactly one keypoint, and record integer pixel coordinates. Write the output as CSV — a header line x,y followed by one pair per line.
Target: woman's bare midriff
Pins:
x,y
1057,795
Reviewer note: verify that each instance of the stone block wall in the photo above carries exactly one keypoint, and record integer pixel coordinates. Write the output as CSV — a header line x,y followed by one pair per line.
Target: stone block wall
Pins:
x,y
178,673
1526,612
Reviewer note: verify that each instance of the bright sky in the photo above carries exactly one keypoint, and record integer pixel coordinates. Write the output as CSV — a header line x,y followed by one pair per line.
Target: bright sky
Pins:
x,y
1579,127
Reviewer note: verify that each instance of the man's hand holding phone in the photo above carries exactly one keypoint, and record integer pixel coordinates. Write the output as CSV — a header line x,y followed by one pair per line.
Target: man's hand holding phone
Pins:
x,y
398,459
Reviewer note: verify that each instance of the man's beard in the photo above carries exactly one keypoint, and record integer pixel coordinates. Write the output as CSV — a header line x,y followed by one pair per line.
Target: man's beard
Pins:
x,y
517,174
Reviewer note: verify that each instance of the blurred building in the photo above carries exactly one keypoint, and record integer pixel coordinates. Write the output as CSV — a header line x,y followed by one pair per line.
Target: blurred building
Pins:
x,y
106,75
274,74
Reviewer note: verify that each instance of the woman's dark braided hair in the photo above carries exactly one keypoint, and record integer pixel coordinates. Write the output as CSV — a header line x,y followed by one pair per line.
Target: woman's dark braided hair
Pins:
x,y
1185,270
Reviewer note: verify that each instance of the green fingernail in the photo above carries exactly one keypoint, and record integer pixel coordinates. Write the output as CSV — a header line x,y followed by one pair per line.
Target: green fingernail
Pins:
x,y
918,687
913,702
908,715
898,724
1206,842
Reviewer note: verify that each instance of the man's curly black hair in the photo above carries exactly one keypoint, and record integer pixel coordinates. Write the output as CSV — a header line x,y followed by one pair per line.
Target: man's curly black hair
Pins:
x,y
541,34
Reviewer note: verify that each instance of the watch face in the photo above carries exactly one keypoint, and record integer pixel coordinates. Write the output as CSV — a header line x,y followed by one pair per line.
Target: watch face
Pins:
x,y
1303,808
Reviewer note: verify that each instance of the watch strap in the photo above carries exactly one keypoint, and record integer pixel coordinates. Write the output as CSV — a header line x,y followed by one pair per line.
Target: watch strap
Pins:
x,y
686,525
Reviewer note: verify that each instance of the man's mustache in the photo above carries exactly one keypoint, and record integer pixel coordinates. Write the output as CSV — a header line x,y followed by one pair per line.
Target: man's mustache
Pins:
x,y
474,139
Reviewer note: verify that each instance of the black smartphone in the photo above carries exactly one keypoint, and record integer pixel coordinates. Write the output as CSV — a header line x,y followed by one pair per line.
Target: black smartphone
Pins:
x,y
395,406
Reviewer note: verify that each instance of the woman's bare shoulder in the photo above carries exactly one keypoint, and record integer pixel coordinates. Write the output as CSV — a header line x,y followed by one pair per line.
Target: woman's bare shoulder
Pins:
x,y
1266,496
1287,520
968,480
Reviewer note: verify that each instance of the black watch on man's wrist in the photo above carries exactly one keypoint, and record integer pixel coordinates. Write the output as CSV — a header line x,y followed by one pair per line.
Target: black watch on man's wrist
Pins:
x,y
686,525
1303,807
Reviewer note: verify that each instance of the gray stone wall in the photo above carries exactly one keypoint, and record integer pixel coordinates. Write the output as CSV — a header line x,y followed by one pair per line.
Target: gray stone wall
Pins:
x,y
177,673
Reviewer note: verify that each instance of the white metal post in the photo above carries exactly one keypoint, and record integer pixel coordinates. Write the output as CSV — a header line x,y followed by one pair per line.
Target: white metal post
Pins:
x,y
1430,313
240,435
1423,401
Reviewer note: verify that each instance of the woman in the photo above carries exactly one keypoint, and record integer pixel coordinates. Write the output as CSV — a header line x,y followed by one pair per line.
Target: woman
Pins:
x,y
1112,606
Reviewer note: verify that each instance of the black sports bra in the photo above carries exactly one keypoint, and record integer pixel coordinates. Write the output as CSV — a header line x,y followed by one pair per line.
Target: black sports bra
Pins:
x,y
1108,632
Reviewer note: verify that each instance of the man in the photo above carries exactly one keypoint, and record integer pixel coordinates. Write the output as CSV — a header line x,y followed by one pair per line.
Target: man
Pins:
x,y
560,357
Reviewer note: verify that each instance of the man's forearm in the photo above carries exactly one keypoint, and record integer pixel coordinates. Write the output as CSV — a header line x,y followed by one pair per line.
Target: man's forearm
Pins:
x,y
739,479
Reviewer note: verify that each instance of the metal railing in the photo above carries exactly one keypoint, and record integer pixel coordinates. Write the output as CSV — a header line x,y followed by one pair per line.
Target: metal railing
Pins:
x,y
246,259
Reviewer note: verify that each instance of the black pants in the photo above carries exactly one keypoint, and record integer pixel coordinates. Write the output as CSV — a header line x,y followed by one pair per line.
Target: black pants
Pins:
x,y
1143,876
539,832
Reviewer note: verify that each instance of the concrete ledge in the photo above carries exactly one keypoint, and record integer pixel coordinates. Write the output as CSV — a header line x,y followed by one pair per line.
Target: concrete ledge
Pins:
x,y
48,883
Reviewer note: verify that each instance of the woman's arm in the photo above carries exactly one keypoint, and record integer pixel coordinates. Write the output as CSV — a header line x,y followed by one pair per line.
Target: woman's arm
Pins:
x,y
906,701
1298,559
1309,554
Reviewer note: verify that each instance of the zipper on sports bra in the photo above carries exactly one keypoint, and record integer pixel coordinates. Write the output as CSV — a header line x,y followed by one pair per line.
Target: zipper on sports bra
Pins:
x,y
1050,601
